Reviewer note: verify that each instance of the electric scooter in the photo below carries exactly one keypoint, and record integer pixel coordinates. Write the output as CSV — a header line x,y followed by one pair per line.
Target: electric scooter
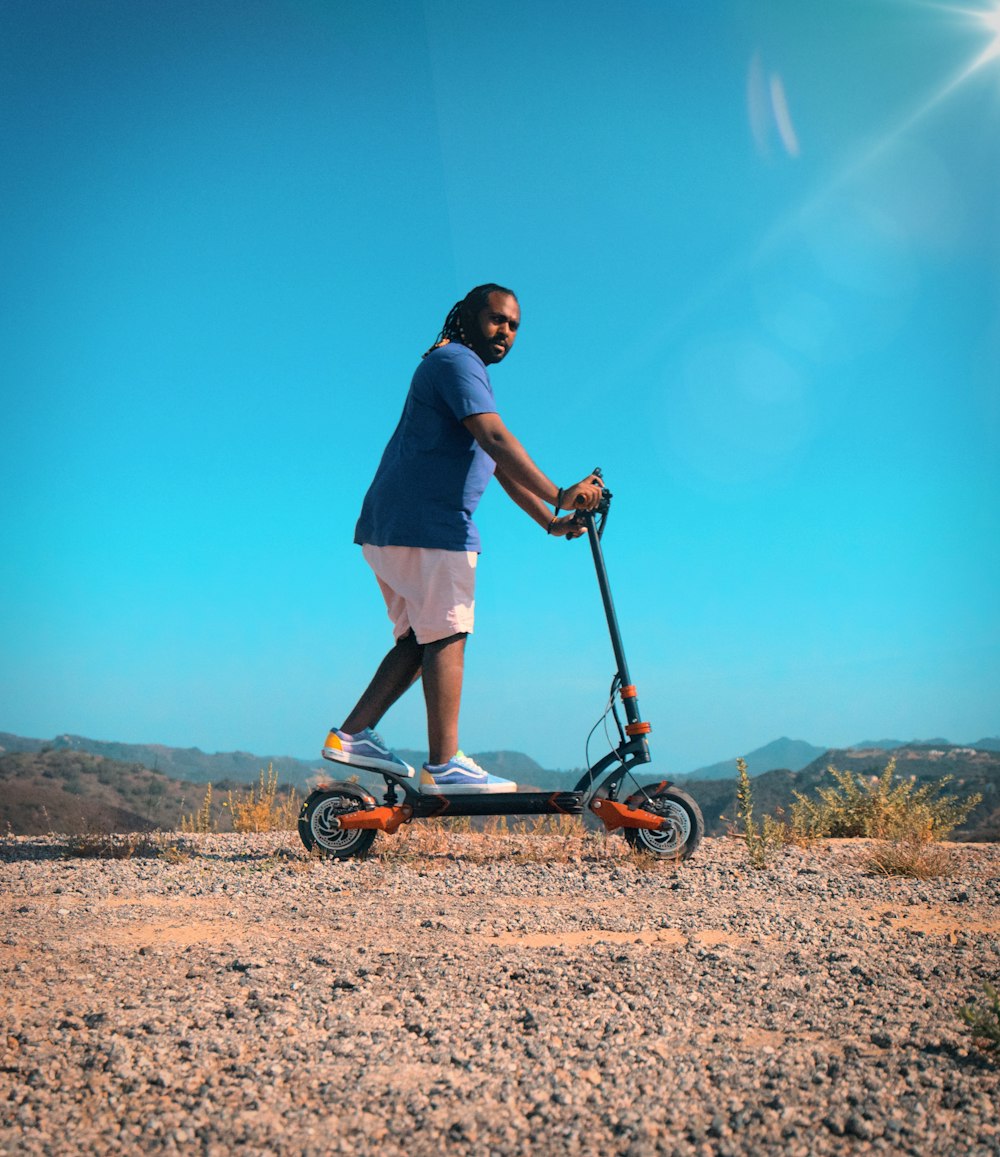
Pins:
x,y
341,820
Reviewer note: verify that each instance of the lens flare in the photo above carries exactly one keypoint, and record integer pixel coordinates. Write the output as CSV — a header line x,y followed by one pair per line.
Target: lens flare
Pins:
x,y
990,20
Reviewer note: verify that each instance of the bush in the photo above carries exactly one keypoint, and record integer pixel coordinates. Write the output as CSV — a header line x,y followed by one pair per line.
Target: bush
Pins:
x,y
880,807
261,810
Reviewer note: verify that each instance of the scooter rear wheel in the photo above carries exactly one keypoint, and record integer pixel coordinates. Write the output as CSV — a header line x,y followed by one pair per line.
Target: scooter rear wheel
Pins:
x,y
679,836
317,822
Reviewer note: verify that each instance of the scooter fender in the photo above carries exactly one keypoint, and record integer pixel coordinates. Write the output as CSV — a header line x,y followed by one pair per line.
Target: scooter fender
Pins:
x,y
614,815
379,819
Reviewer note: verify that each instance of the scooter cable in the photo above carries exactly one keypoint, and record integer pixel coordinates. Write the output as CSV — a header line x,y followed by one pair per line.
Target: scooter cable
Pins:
x,y
610,709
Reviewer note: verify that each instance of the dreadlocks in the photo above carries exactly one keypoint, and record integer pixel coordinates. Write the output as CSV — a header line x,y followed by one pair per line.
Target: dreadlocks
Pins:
x,y
463,313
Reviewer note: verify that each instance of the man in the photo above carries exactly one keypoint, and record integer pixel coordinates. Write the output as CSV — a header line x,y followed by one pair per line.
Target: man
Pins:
x,y
417,534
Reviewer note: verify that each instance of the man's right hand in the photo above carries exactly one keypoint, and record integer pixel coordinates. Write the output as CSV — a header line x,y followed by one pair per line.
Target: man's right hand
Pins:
x,y
585,495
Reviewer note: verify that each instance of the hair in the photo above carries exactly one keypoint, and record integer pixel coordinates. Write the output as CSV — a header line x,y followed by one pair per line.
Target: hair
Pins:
x,y
463,313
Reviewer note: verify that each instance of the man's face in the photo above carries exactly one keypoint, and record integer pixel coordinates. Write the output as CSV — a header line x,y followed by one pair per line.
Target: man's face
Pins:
x,y
497,325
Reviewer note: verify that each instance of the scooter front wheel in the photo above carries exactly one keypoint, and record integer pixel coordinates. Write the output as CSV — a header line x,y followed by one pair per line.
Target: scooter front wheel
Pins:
x,y
679,836
318,827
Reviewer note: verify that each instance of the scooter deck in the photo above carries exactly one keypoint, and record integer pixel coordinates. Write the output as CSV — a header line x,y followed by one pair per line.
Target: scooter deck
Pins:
x,y
508,803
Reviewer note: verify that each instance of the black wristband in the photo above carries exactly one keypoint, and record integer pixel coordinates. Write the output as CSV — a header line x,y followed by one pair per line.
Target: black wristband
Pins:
x,y
559,500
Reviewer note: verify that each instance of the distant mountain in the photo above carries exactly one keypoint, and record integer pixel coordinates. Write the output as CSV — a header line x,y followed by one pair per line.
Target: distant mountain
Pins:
x,y
791,754
892,744
877,744
991,743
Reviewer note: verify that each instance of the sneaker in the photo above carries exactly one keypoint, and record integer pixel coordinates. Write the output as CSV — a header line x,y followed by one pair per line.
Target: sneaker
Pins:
x,y
364,749
461,776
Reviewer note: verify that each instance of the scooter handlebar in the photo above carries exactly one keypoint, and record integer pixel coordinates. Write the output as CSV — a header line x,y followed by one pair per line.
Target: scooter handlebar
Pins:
x,y
600,513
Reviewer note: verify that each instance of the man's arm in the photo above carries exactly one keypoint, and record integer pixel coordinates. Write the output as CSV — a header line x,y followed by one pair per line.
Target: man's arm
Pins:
x,y
515,466
536,509
530,503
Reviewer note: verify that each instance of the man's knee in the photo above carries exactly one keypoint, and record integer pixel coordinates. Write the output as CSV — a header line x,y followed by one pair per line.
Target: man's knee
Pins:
x,y
440,644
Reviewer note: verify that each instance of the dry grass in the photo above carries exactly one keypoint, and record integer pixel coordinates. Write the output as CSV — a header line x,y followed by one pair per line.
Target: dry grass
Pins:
x,y
260,809
125,845
433,844
917,856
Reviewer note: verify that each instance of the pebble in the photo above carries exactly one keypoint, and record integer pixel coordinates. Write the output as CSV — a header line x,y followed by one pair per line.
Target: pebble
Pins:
x,y
472,998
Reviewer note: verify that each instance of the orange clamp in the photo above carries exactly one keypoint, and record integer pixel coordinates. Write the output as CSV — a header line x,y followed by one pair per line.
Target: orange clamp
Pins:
x,y
629,692
380,819
638,728
619,815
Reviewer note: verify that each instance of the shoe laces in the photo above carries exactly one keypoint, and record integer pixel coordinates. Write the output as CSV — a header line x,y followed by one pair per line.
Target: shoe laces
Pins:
x,y
468,763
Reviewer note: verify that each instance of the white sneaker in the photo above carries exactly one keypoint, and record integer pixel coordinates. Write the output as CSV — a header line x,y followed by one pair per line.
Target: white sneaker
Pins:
x,y
461,776
364,749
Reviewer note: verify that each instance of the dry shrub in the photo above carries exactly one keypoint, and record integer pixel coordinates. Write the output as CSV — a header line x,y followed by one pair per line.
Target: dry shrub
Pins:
x,y
880,807
200,822
260,809
124,845
916,855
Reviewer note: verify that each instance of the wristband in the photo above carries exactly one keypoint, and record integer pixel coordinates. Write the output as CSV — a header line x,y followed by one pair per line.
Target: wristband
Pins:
x,y
559,500
550,526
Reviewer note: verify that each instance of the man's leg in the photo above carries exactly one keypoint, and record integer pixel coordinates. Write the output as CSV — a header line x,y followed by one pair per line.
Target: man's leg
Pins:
x,y
443,668
397,673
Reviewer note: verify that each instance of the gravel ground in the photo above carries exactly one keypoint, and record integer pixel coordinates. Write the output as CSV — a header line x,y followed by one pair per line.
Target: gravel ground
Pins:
x,y
502,994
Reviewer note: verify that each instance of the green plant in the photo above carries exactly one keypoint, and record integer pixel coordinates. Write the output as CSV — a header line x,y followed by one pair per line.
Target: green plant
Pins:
x,y
984,1022
760,839
260,810
882,807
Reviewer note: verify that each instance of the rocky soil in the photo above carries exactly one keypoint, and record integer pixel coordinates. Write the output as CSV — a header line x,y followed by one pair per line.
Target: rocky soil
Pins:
x,y
502,994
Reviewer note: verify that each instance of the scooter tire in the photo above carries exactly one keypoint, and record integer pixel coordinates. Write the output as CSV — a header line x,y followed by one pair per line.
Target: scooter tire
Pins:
x,y
680,835
318,831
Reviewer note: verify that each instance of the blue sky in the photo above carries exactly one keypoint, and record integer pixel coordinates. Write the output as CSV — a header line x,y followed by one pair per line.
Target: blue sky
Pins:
x,y
757,248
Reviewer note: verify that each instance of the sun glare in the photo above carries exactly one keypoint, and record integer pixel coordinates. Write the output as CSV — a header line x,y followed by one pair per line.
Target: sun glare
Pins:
x,y
990,20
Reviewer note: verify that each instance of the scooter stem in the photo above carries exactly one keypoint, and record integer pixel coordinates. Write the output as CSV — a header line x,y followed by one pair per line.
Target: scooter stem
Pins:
x,y
631,702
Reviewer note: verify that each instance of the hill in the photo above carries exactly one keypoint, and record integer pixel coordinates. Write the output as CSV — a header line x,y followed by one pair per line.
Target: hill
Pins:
x,y
74,784
181,763
792,754
197,766
974,770
62,790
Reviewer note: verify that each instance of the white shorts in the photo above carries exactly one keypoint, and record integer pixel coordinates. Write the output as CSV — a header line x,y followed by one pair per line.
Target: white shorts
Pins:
x,y
431,592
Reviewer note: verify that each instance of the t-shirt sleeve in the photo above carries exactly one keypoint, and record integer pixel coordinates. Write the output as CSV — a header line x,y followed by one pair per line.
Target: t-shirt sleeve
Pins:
x,y
465,388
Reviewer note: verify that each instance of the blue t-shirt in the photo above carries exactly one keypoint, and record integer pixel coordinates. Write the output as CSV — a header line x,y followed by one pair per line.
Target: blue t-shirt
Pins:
x,y
433,472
